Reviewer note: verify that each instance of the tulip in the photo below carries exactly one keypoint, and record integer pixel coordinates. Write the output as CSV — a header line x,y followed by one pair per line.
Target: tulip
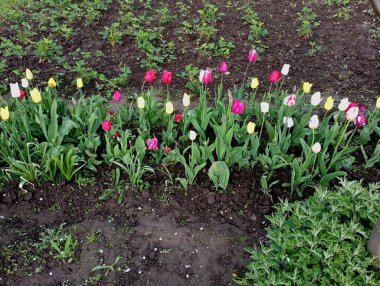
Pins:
x,y
29,74
36,95
288,121
251,127
316,148
378,103
166,77
223,67
290,100
352,111
167,149
254,83
140,102
285,69
22,94
344,103
275,76
329,103
106,125
237,107
169,108
264,106
117,134
362,108
79,83
177,117
117,96
52,83
24,83
205,76
360,120
192,135
252,56
307,87
152,143
150,76
186,100
15,90
111,113
314,122
316,98
4,113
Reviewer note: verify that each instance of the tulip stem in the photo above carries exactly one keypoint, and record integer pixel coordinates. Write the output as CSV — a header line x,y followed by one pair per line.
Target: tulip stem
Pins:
x,y
167,93
309,152
262,125
337,145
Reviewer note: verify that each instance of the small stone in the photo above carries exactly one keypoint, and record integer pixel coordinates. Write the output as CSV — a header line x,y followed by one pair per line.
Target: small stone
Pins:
x,y
253,217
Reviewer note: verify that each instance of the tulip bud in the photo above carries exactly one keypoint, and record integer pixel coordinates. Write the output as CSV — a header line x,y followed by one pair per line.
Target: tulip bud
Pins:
x,y
316,148
288,121
24,83
344,103
52,83
360,120
192,135
28,74
15,90
79,83
106,125
264,106
254,83
117,96
4,113
169,108
329,103
35,95
314,122
223,67
251,127
186,100
316,98
252,56
140,102
285,69
290,100
378,103
307,87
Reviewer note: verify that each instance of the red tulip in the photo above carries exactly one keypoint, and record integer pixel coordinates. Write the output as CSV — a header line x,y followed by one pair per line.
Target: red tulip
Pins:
x,y
223,67
111,113
22,93
237,107
152,143
275,76
177,117
252,56
166,77
117,134
167,149
360,120
150,76
106,125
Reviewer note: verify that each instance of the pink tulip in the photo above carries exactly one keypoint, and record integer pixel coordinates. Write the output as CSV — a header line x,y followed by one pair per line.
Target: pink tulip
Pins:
x,y
206,76
360,120
106,125
152,143
252,56
275,76
117,96
166,77
150,76
223,67
362,108
290,100
237,107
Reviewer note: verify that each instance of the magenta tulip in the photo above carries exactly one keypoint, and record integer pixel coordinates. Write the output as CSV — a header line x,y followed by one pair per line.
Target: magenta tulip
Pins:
x,y
223,67
152,143
252,56
117,96
237,107
275,76
106,125
360,120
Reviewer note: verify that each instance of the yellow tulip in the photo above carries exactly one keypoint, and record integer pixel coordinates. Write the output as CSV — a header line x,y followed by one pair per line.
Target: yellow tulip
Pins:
x,y
378,103
4,113
36,95
140,102
307,87
251,128
29,74
169,108
254,83
52,83
186,100
79,82
329,103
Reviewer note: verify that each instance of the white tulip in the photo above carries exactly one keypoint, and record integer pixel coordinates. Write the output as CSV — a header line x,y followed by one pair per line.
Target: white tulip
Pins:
x,y
316,99
285,69
264,106
15,90
352,113
316,148
201,74
288,121
24,83
193,135
314,122
344,103
186,100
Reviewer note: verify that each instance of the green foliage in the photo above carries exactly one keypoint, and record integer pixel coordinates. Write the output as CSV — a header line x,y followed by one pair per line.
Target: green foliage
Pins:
x,y
320,241
308,21
219,174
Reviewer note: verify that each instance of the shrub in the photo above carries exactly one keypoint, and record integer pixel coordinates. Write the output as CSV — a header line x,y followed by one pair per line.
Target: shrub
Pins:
x,y
320,241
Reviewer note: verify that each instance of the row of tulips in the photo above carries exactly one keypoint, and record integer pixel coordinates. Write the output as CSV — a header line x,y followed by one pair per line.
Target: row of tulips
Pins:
x,y
222,136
